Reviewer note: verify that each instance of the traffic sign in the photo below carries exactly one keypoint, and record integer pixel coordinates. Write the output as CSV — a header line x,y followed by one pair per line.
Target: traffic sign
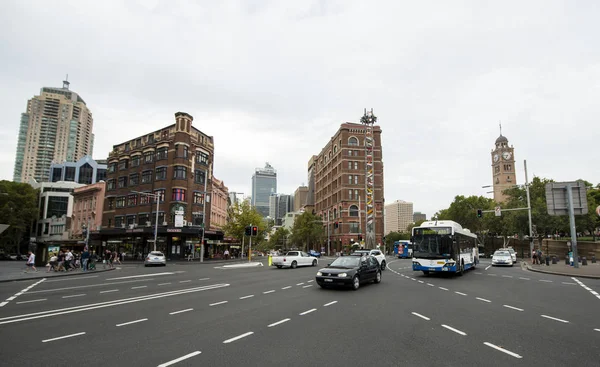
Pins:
x,y
498,211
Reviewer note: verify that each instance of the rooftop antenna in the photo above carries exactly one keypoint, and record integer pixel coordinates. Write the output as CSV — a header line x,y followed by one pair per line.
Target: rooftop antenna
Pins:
x,y
66,82
500,123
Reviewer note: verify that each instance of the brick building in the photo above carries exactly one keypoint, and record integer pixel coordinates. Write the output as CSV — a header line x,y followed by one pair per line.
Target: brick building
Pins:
x,y
175,164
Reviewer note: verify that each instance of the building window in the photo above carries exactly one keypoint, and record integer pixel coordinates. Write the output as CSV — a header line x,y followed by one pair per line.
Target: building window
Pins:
x,y
356,197
162,153
349,164
138,143
132,200
161,195
199,176
353,211
130,220
144,199
70,174
123,164
178,195
143,219
497,169
198,198
349,194
112,167
161,173
110,185
180,172
122,182
186,152
356,179
111,203
355,164
57,206
350,179
134,179
352,141
119,221
353,228
350,153
150,139
146,177
120,202
201,158
135,161
148,157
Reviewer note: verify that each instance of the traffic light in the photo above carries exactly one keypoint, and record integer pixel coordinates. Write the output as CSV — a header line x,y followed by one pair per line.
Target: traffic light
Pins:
x,y
479,213
254,230
248,231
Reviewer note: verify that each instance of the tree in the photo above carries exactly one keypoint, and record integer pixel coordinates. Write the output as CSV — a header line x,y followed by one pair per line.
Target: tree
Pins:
x,y
239,217
411,226
18,209
308,228
393,236
278,239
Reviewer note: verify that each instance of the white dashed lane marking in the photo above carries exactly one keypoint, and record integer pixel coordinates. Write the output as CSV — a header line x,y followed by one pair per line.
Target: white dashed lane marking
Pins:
x,y
461,293
249,296
545,280
278,322
483,299
593,292
555,319
503,350
62,337
218,303
267,292
238,337
513,308
455,330
177,360
182,311
330,303
131,322
33,300
307,312
421,316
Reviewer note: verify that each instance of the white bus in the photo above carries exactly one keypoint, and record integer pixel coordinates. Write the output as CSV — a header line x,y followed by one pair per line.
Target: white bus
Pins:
x,y
443,246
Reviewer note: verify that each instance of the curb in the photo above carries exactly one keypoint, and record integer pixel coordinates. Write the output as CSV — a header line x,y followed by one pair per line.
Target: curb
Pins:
x,y
564,274
55,276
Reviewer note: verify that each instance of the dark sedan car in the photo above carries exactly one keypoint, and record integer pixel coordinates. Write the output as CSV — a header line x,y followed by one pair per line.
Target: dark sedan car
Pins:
x,y
350,271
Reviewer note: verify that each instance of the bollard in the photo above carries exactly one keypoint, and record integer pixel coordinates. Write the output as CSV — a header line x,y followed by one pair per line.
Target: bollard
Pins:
x,y
567,260
584,261
554,260
547,260
593,259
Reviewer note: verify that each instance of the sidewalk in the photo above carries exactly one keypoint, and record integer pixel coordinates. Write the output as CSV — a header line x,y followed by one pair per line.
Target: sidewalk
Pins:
x,y
12,271
584,271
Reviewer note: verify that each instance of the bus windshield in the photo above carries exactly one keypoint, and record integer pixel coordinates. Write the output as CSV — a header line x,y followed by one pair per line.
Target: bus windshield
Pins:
x,y
432,243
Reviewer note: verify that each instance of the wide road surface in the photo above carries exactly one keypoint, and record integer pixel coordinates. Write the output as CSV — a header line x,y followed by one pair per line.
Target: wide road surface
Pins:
x,y
190,315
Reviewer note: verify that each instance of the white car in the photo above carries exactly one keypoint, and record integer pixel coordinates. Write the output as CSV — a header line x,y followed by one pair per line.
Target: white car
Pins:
x,y
376,254
293,259
512,252
155,258
502,257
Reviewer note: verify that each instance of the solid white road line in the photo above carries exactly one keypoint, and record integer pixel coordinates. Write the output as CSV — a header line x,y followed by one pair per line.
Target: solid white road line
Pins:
x,y
238,337
489,266
455,330
184,281
63,337
131,322
164,283
288,287
271,291
74,295
483,299
141,276
421,316
461,293
139,287
180,359
306,286
110,290
218,303
442,288
33,300
307,312
513,308
249,296
182,311
330,303
554,318
71,278
278,322
524,278
544,280
20,293
503,350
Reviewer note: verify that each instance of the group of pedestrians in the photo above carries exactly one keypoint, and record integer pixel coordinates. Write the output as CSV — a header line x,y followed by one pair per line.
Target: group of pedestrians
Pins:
x,y
536,256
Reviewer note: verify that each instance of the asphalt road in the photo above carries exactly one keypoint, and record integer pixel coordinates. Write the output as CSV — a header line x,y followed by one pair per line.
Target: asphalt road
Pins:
x,y
191,315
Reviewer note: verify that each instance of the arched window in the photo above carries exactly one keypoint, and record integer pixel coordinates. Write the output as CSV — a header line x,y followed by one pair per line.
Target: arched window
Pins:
x,y
352,141
353,210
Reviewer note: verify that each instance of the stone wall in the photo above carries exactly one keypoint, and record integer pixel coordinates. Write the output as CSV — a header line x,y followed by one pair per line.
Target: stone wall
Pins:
x,y
549,246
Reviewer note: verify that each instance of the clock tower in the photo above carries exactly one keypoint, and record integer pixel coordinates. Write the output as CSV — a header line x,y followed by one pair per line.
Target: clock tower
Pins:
x,y
503,168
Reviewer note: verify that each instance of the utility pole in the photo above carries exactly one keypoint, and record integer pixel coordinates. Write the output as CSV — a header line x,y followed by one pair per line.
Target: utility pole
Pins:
x,y
528,211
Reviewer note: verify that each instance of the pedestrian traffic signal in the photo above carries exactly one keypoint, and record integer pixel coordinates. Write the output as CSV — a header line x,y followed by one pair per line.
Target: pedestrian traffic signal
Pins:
x,y
248,231
479,213
254,230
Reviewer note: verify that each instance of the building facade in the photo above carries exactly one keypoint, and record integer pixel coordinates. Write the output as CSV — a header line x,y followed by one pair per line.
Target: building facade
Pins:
x,y
56,127
503,168
88,206
264,183
340,185
279,206
417,216
398,216
310,196
174,165
219,203
300,197
85,171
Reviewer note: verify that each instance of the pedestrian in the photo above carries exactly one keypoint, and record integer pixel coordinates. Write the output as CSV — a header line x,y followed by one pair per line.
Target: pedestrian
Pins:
x,y
30,263
53,263
84,259
226,253
117,258
68,259
107,259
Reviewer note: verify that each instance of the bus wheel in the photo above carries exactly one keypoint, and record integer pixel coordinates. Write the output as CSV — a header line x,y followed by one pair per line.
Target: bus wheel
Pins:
x,y
425,272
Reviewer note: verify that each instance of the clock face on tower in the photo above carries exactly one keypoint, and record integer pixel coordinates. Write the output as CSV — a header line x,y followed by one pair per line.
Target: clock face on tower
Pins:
x,y
496,157
506,155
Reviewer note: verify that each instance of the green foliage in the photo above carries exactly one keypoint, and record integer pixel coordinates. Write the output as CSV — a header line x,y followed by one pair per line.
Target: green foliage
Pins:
x,y
411,226
392,237
308,229
278,239
241,216
18,208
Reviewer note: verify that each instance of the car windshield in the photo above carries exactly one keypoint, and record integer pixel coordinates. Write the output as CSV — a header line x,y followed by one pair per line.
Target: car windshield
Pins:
x,y
346,262
501,253
156,253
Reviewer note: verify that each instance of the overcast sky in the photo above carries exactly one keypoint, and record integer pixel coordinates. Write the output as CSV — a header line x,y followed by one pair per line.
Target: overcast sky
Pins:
x,y
273,80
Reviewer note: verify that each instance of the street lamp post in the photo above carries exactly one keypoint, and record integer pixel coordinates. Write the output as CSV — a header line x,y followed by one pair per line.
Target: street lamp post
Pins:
x,y
157,198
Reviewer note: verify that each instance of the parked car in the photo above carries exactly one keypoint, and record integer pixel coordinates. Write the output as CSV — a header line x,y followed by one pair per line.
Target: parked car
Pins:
x,y
502,257
314,253
350,271
375,253
293,259
155,258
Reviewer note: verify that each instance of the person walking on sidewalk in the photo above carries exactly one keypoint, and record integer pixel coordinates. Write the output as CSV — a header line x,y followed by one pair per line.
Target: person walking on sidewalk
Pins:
x,y
30,263
85,256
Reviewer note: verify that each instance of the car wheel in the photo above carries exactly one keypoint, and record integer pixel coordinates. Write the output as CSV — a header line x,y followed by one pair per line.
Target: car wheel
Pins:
x,y
425,272
146,265
279,266
377,277
294,264
383,265
322,286
314,263
355,282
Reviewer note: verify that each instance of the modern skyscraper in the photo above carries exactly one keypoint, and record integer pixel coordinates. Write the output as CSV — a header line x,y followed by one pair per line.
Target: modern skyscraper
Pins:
x,y
300,197
417,216
503,168
56,127
264,183
398,216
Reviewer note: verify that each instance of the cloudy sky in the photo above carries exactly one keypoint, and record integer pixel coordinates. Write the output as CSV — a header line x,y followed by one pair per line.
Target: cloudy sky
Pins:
x,y
273,80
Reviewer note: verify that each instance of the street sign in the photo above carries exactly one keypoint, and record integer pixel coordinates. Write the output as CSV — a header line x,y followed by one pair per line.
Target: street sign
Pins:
x,y
498,211
557,202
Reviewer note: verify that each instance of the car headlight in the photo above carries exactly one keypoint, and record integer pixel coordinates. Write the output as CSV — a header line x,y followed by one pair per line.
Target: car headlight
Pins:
x,y
342,275
319,273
